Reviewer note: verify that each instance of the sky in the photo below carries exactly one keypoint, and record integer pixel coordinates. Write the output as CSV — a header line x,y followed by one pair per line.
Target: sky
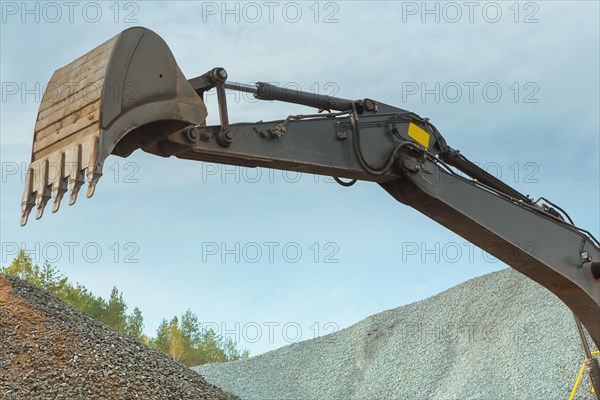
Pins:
x,y
269,258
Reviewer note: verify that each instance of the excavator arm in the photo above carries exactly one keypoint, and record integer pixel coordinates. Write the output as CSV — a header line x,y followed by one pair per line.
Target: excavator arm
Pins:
x,y
407,156
129,94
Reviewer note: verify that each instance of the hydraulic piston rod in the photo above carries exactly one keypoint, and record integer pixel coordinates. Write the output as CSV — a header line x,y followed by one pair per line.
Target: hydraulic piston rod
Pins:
x,y
266,91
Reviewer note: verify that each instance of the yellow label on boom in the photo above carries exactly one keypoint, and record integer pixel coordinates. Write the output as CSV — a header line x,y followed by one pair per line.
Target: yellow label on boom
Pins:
x,y
415,132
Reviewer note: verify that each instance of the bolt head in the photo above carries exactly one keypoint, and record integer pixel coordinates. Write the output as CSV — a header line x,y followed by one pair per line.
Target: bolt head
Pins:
x,y
369,105
192,134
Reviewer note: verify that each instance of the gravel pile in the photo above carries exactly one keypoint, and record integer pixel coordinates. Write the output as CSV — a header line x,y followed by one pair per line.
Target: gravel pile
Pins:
x,y
49,350
500,336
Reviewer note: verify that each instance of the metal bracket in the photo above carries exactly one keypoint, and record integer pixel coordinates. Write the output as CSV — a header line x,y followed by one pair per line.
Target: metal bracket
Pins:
x,y
342,130
224,137
216,78
280,129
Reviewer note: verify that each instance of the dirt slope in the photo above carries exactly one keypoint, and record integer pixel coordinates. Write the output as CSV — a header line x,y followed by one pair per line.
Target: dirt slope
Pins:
x,y
49,350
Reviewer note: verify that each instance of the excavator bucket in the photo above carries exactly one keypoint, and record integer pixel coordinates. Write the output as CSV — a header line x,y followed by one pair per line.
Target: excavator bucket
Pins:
x,y
127,93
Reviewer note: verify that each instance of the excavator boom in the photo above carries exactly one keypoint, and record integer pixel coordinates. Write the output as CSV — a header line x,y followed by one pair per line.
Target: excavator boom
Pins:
x,y
129,94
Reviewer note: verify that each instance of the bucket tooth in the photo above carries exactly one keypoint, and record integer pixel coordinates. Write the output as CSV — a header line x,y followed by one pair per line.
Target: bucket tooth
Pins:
x,y
93,178
42,200
94,169
75,172
25,214
28,197
58,191
44,191
60,184
76,183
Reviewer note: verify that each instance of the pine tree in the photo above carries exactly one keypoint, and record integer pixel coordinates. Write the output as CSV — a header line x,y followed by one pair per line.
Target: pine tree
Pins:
x,y
177,345
115,311
50,279
135,325
21,267
161,341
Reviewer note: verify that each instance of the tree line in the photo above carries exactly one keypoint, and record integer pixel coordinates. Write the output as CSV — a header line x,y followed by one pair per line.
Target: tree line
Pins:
x,y
182,338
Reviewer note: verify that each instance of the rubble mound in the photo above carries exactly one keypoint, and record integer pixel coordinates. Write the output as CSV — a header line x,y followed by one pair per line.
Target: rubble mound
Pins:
x,y
500,336
50,350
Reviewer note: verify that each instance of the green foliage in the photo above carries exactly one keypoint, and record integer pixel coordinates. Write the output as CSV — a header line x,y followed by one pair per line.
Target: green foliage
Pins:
x,y
79,297
115,311
21,267
181,338
135,325
184,340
